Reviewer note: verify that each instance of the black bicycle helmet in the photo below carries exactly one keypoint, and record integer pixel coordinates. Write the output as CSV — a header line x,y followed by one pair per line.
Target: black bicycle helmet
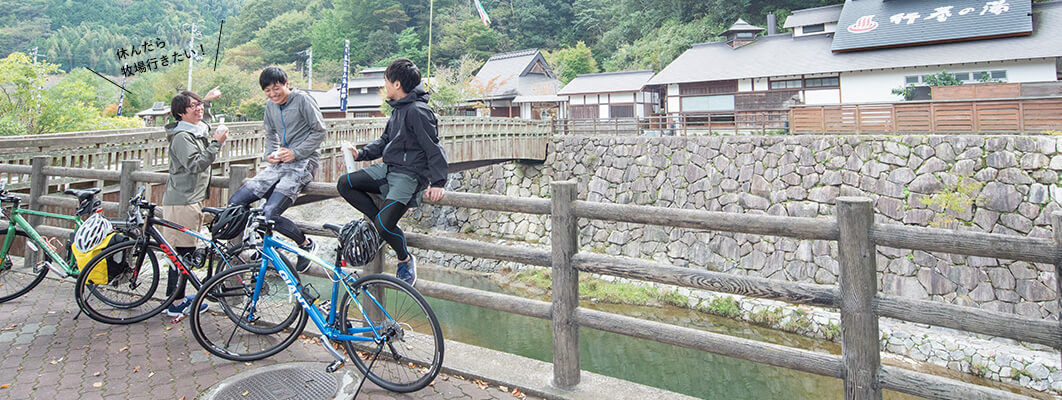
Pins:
x,y
89,206
230,222
360,242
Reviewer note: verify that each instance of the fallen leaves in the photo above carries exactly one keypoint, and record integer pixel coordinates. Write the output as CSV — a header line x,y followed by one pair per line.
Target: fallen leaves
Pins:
x,y
97,384
123,349
245,392
137,369
5,386
482,385
518,394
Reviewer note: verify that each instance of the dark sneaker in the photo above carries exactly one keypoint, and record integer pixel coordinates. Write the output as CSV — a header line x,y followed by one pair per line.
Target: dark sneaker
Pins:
x,y
182,308
407,271
304,263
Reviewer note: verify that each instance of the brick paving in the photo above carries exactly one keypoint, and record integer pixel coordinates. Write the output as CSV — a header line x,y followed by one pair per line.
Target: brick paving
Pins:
x,y
45,354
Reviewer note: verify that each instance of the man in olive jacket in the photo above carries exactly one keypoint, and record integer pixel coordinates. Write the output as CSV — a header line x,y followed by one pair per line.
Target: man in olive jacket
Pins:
x,y
192,151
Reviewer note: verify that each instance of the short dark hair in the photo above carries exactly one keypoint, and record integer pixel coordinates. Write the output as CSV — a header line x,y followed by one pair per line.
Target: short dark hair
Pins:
x,y
181,102
272,75
404,71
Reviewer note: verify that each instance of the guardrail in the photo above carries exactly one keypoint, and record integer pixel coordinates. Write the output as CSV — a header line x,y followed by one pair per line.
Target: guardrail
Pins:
x,y
856,296
752,122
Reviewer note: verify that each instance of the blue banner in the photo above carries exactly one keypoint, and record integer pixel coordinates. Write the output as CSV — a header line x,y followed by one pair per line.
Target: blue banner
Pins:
x,y
346,68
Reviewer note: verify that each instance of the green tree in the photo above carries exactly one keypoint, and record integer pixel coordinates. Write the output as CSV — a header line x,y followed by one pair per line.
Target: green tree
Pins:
x,y
572,61
22,82
284,36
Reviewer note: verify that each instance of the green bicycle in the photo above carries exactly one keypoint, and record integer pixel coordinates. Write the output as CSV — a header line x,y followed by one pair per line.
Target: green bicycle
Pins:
x,y
17,280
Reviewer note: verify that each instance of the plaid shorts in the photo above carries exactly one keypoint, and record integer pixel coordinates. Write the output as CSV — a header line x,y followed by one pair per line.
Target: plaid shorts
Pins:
x,y
290,178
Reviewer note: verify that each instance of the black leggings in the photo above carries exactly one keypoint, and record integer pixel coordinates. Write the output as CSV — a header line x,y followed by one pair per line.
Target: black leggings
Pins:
x,y
275,205
174,275
355,188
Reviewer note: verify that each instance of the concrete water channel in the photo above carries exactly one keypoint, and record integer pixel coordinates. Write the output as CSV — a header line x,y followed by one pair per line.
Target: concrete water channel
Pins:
x,y
671,368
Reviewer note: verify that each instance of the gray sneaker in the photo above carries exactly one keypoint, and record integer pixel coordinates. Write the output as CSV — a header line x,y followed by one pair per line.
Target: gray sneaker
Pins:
x,y
303,264
407,271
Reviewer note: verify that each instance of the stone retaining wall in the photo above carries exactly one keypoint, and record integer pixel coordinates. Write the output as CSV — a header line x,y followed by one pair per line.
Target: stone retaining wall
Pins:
x,y
999,184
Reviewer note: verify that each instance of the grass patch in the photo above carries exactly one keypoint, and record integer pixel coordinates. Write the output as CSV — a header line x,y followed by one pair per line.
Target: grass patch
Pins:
x,y
724,306
832,331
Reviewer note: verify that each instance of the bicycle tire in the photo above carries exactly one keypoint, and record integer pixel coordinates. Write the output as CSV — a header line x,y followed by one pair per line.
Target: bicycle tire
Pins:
x,y
271,285
10,273
406,306
120,303
266,333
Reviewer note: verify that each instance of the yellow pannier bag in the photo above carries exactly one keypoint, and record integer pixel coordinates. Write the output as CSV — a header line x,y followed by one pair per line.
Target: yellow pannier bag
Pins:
x,y
110,266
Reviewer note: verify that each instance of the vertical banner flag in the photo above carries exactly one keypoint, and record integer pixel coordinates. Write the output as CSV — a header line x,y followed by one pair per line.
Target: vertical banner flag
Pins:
x,y
346,69
121,96
482,14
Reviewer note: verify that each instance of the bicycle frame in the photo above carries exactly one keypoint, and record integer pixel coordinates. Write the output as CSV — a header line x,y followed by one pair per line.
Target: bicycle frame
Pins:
x,y
326,326
19,222
151,233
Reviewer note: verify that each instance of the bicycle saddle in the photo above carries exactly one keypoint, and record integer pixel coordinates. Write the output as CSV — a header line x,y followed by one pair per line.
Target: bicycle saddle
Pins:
x,y
82,194
334,228
213,210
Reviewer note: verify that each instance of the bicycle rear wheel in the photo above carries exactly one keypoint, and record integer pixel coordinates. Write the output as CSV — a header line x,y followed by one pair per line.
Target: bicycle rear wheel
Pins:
x,y
239,328
122,292
18,278
412,351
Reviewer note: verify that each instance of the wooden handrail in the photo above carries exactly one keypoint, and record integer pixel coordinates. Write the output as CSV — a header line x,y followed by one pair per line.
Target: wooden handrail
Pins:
x,y
860,237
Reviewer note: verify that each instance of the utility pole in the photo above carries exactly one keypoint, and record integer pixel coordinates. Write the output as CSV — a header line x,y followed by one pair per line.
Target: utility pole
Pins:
x,y
194,56
33,52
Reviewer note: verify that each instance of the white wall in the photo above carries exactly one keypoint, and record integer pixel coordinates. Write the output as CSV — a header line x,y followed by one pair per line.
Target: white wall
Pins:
x,y
874,86
576,100
744,85
525,111
761,84
822,96
602,111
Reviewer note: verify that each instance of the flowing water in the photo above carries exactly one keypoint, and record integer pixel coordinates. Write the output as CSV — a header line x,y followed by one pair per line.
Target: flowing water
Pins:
x,y
673,368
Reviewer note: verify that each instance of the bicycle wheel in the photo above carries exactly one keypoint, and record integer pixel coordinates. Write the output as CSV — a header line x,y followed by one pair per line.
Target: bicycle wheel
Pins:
x,y
110,293
412,351
18,278
239,328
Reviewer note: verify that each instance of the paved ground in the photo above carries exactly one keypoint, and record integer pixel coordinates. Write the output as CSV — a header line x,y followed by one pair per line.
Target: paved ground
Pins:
x,y
46,354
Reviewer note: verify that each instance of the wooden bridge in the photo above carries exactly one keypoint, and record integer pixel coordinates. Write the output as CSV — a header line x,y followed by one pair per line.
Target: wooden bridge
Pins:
x,y
856,296
469,143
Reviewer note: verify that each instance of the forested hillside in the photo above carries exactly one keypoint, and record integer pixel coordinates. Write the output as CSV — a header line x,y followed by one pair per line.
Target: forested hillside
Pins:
x,y
577,36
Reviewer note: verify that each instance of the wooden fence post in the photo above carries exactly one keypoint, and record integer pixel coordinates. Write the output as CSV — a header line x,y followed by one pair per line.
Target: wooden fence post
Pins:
x,y
38,188
126,186
565,243
237,174
859,324
1056,223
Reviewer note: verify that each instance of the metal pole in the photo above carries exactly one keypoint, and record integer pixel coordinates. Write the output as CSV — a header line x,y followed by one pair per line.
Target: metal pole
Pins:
x,y
191,42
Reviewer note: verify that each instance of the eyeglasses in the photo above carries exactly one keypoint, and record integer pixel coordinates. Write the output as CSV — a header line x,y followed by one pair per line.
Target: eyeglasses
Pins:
x,y
195,105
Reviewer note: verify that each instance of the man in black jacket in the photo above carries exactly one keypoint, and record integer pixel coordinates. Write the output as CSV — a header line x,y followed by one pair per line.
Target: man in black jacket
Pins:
x,y
414,163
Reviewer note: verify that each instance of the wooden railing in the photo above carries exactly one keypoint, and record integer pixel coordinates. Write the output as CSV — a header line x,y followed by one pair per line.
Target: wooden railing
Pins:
x,y
1008,115
464,139
856,296
754,122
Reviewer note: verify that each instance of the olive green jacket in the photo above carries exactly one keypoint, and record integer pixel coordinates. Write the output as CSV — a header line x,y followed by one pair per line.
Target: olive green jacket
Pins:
x,y
190,158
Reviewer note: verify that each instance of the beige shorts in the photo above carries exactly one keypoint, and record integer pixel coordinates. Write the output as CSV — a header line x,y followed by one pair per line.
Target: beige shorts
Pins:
x,y
189,216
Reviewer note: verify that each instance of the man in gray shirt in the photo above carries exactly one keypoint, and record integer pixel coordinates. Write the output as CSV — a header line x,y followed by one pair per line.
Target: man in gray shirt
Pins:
x,y
294,131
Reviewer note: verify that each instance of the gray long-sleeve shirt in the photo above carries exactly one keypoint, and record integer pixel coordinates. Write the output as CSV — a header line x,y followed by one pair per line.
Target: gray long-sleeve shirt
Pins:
x,y
296,125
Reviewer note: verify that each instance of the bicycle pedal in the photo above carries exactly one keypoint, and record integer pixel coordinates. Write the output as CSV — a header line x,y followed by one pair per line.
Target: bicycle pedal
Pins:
x,y
334,366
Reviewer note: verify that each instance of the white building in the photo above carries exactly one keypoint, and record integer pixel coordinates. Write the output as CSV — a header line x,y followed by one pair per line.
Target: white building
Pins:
x,y
611,95
860,51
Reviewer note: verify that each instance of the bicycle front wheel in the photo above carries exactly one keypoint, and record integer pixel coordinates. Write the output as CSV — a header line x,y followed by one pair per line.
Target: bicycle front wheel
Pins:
x,y
17,277
240,326
118,285
412,350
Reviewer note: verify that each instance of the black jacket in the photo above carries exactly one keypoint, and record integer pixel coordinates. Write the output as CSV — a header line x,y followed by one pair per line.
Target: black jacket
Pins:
x,y
410,141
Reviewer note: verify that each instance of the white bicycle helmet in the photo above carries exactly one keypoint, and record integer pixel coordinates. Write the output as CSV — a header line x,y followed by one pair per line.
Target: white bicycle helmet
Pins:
x,y
91,233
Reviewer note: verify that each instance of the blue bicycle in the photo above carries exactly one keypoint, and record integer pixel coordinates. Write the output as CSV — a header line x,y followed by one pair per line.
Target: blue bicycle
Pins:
x,y
383,323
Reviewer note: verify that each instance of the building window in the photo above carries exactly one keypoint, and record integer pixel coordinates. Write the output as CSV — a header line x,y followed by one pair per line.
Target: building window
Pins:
x,y
786,84
815,28
964,77
621,111
745,35
708,103
363,115
364,90
822,82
